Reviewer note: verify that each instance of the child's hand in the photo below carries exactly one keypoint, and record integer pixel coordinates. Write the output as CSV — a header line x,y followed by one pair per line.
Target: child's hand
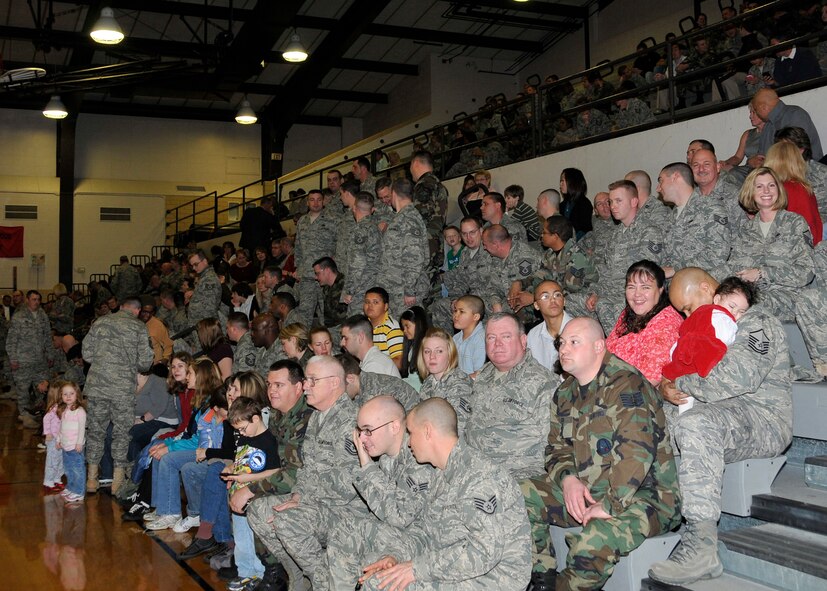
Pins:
x,y
57,445
200,454
49,437
79,448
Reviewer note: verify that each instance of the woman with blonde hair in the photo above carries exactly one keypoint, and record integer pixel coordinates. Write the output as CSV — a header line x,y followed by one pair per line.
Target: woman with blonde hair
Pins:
x,y
786,161
296,343
438,365
774,249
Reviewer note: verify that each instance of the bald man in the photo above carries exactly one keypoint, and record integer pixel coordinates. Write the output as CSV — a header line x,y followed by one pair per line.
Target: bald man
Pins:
x,y
394,487
778,115
264,332
742,410
473,533
621,489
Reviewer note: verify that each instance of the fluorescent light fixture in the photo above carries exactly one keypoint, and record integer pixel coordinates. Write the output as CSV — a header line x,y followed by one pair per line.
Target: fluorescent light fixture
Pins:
x,y
295,51
107,30
246,115
55,109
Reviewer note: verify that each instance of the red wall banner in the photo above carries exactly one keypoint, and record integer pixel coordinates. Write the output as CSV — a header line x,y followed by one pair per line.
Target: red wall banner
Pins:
x,y
11,242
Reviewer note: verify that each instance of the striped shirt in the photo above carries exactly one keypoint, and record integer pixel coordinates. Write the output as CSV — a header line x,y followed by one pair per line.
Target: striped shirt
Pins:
x,y
388,337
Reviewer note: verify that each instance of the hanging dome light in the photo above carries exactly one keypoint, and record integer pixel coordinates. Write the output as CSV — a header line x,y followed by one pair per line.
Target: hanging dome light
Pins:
x,y
107,30
246,115
55,109
295,51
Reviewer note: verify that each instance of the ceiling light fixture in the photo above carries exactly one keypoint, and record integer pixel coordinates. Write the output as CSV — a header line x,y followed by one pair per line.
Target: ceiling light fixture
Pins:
x,y
107,30
246,115
295,51
55,109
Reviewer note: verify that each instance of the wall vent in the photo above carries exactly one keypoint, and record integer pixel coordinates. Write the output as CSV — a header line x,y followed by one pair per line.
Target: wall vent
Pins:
x,y
191,188
116,214
21,212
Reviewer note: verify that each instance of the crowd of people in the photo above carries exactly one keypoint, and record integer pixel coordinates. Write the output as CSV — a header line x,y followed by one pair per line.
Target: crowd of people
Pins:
x,y
385,399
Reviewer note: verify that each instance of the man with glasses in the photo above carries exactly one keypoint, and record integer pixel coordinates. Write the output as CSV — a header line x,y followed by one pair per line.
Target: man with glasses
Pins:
x,y
323,494
395,487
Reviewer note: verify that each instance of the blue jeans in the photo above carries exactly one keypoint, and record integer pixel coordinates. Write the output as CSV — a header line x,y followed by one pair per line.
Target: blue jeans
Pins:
x,y
214,506
166,483
245,549
192,475
74,464
142,434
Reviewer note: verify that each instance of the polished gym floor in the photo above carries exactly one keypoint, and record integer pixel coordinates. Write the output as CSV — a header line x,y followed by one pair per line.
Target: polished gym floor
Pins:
x,y
46,544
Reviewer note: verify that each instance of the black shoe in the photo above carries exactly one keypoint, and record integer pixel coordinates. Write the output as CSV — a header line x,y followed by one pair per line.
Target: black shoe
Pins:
x,y
274,579
543,581
228,573
198,546
136,512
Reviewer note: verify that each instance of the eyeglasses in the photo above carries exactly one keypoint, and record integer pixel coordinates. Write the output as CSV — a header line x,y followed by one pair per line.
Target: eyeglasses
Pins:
x,y
557,295
369,432
312,381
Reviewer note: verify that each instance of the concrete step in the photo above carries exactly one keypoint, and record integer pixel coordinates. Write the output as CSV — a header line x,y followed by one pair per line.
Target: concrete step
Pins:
x,y
726,582
776,555
815,472
789,512
810,410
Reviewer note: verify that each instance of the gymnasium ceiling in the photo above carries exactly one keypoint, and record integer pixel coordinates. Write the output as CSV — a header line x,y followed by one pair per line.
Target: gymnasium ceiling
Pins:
x,y
198,60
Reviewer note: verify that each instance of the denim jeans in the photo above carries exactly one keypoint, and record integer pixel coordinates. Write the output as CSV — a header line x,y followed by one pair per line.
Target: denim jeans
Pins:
x,y
53,474
192,475
166,483
214,506
244,552
142,434
74,463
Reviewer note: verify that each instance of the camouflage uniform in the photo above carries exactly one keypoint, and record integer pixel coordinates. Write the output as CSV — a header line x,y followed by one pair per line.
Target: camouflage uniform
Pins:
x,y
810,308
62,315
324,484
267,356
369,185
515,229
126,282
510,424
613,439
395,489
117,347
522,261
743,409
314,239
817,177
363,255
571,268
785,258
176,320
636,113
172,281
473,533
430,197
206,298
598,124
597,242
345,225
470,276
640,240
372,385
403,268
245,354
656,212
334,311
383,214
698,237
455,387
727,194
5,364
28,343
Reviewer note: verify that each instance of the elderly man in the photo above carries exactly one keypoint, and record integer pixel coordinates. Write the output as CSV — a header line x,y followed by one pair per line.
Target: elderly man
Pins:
x,y
473,533
596,243
390,481
621,488
697,234
117,347
357,339
706,171
742,410
511,417
323,494
778,115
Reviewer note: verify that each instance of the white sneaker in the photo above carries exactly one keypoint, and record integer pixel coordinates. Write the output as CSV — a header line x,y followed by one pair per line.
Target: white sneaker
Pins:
x,y
151,516
163,522
186,524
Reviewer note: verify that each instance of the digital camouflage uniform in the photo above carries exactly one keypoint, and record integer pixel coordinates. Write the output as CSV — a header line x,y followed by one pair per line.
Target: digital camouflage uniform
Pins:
x,y
369,185
510,424
345,225
267,356
613,438
117,347
395,489
598,124
455,387
469,277
5,364
62,315
206,298
324,484
785,258
363,254
596,243
126,282
521,263
28,343
473,534
430,197
334,311
403,267
372,385
811,308
245,354
817,177
699,237
571,268
315,238
656,212
742,410
515,229
727,194
636,113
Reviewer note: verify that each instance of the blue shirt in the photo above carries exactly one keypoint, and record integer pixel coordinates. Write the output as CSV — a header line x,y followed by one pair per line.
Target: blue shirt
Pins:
x,y
471,350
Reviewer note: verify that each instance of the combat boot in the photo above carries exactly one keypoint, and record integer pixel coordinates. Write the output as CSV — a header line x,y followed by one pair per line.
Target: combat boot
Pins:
x,y
118,479
695,558
543,581
92,478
